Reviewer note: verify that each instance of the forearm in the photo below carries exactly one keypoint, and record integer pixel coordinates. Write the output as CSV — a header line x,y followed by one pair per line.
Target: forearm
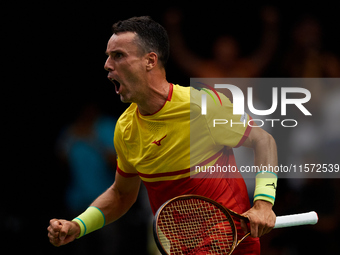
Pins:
x,y
261,215
266,160
110,205
265,152
114,203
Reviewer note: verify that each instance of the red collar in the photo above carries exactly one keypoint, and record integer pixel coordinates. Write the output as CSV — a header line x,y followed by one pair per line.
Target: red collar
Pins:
x,y
171,88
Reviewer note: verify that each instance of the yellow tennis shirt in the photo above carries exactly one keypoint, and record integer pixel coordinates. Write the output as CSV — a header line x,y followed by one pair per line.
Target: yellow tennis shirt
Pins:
x,y
166,148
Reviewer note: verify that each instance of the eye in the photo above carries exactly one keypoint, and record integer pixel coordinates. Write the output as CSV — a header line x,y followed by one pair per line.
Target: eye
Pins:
x,y
118,55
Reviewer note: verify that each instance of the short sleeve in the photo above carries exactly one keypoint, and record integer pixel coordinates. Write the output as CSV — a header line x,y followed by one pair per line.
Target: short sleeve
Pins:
x,y
124,168
226,128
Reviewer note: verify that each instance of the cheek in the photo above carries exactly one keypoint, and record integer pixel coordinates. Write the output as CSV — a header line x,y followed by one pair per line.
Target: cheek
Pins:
x,y
135,73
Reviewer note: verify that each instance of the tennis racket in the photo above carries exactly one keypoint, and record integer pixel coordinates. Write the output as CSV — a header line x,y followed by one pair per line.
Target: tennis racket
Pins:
x,y
192,224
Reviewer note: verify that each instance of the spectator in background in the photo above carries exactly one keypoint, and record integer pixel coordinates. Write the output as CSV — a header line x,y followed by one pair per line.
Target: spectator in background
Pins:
x,y
226,61
86,147
315,140
87,152
306,57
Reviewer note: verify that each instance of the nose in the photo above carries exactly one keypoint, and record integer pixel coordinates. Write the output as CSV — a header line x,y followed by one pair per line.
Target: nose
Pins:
x,y
108,65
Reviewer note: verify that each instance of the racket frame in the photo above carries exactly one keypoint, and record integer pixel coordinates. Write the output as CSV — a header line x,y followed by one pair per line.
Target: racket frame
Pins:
x,y
281,221
227,212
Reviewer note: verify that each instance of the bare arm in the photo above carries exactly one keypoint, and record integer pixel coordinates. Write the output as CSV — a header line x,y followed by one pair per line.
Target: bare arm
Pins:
x,y
261,216
183,56
264,147
118,199
269,40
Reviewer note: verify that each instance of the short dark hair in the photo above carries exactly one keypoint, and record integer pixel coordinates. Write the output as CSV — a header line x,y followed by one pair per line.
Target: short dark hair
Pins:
x,y
153,37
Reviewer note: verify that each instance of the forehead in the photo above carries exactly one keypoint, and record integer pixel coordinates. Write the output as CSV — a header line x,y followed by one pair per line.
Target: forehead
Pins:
x,y
122,41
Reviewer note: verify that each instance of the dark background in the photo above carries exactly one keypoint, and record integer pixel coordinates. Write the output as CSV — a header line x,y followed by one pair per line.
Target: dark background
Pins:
x,y
53,58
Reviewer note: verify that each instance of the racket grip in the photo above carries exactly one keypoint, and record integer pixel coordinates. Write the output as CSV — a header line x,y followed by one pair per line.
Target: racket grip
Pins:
x,y
309,218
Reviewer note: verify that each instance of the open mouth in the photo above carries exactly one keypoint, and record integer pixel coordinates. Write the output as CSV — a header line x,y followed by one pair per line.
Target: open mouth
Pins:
x,y
116,83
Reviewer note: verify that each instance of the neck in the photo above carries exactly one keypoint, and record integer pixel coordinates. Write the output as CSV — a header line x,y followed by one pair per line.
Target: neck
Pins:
x,y
154,98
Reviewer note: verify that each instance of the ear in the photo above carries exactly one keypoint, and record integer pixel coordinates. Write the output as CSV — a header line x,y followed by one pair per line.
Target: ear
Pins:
x,y
151,60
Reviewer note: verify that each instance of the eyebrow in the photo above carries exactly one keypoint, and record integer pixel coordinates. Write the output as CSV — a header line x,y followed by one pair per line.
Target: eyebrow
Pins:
x,y
113,52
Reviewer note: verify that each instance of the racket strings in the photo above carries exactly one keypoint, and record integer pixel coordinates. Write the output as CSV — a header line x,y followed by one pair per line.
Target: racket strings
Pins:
x,y
193,226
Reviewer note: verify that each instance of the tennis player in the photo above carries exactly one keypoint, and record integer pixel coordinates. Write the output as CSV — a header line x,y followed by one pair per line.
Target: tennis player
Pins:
x,y
152,140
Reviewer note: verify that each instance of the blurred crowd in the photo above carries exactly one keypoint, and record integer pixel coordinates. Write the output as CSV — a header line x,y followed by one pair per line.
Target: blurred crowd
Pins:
x,y
316,139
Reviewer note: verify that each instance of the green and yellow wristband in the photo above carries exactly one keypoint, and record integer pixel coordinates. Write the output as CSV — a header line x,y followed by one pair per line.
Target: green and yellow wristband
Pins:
x,y
90,220
265,186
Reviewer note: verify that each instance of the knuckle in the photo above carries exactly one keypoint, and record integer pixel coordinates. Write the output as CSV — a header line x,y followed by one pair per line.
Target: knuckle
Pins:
x,y
272,225
66,224
256,221
52,221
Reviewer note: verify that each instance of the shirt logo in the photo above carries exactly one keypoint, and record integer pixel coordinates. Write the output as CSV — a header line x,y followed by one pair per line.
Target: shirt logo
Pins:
x,y
158,143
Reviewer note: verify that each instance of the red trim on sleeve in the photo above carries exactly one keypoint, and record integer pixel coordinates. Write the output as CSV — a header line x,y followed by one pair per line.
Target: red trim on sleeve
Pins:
x,y
126,175
245,135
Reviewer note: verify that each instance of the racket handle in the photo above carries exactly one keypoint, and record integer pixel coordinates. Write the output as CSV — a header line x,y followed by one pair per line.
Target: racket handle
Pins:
x,y
296,220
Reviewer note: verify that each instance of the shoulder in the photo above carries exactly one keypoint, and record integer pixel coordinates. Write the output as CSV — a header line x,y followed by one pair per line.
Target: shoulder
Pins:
x,y
213,100
125,120
178,104
180,93
191,97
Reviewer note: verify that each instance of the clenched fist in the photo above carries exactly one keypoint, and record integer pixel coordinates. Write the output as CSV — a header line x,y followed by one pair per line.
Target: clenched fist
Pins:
x,y
261,218
61,232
